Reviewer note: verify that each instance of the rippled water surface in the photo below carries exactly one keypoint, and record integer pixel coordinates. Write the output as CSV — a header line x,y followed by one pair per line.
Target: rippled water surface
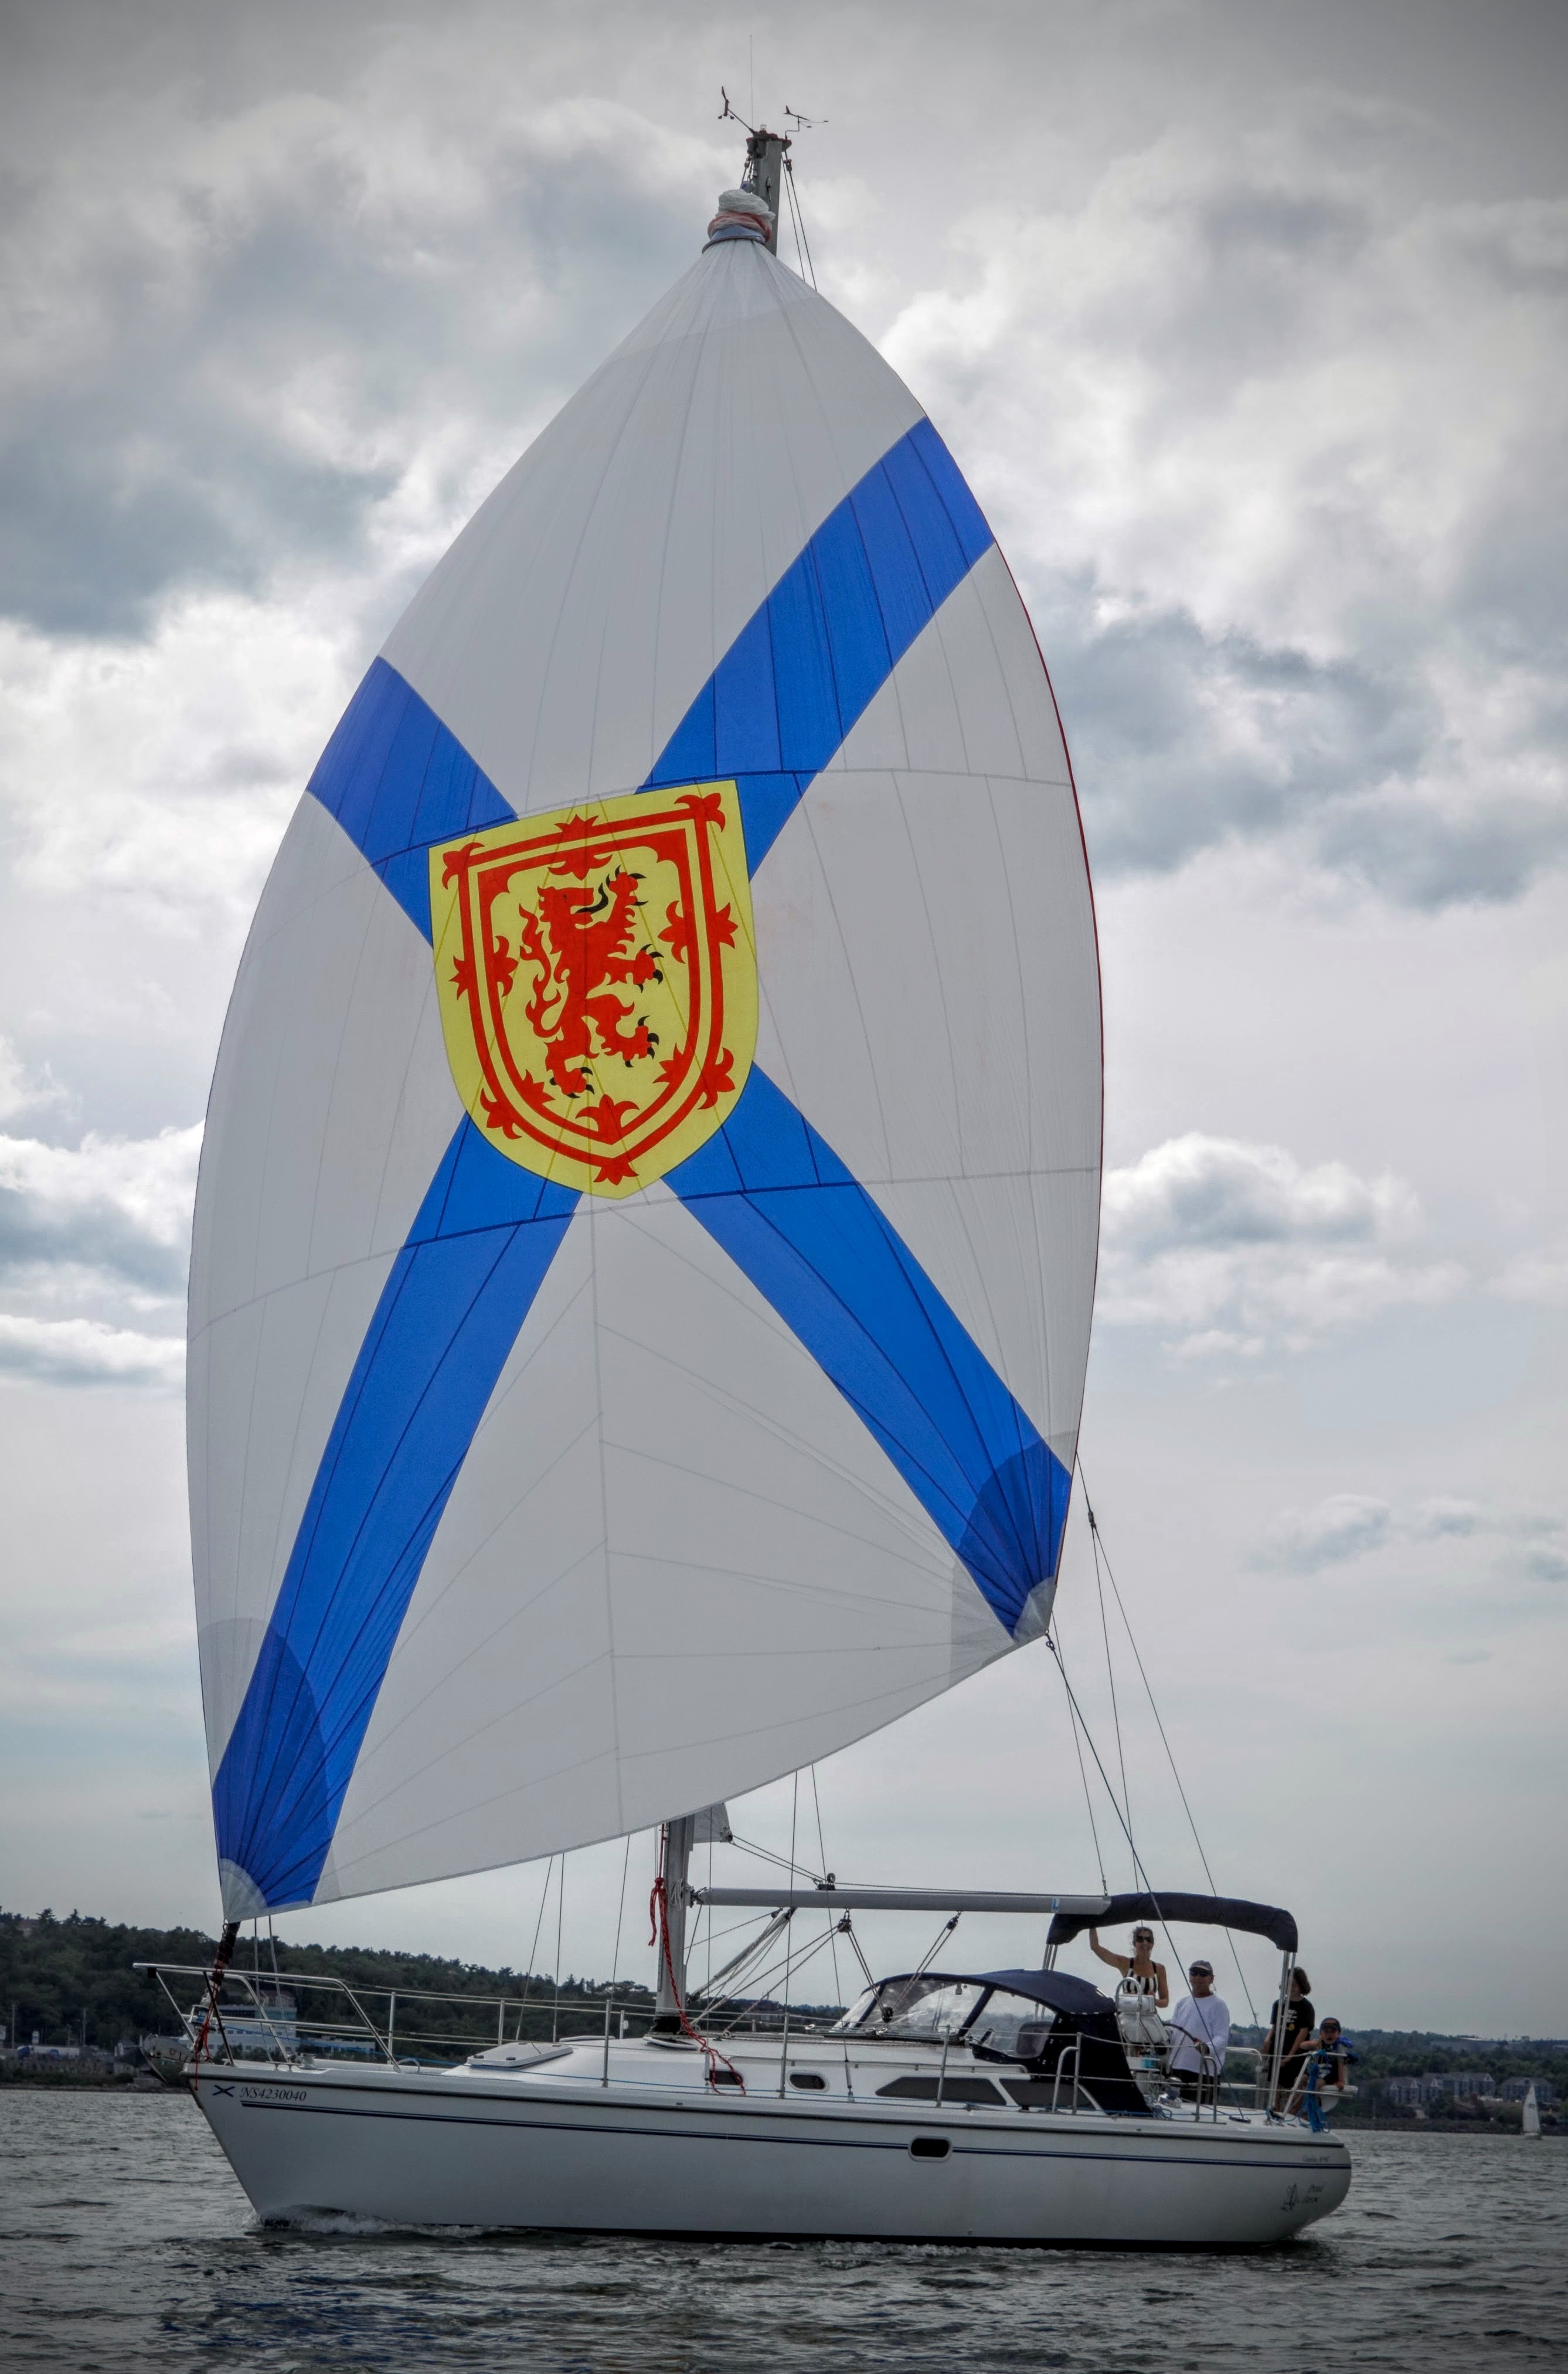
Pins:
x,y
125,2243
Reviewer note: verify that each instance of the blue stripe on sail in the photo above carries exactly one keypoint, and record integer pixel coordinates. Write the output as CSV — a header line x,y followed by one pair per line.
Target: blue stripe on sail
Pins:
x,y
809,661
813,1243
397,782
448,1317
796,678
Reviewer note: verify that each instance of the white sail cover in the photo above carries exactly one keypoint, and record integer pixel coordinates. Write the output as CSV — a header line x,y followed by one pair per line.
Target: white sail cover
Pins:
x,y
646,1236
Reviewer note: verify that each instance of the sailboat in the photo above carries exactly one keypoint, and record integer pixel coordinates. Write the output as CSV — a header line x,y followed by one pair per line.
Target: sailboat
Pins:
x,y
643,1267
1529,2120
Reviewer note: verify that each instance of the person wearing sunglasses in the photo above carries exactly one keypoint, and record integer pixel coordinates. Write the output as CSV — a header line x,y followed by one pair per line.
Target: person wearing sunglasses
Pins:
x,y
1201,2032
1140,1974
1143,1993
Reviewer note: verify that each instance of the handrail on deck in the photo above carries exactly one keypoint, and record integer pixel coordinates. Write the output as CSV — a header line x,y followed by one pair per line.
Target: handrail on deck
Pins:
x,y
1073,2052
260,1991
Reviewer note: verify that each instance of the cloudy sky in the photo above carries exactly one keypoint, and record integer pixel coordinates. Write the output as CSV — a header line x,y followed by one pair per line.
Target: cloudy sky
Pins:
x,y
1247,322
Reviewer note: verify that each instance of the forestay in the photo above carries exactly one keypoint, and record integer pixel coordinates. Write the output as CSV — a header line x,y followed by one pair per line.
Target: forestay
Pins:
x,y
646,1234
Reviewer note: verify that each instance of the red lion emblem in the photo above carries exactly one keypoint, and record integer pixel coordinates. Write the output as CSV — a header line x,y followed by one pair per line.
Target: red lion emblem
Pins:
x,y
579,946
597,983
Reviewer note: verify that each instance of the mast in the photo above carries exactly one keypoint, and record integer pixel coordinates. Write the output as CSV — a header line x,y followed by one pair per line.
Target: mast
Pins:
x,y
679,1838
764,174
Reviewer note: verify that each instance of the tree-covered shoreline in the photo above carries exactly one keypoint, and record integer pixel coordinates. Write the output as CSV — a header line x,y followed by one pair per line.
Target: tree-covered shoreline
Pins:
x,y
72,1981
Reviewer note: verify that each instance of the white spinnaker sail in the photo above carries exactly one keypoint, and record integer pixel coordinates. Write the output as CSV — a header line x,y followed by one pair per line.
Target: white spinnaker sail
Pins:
x,y
538,1498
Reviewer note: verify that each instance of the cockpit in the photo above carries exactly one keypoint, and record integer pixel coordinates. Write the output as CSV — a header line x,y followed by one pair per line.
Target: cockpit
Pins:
x,y
1057,2032
992,2021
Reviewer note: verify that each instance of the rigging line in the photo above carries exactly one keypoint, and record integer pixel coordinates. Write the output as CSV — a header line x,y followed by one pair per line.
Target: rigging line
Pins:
x,y
800,252
760,1981
800,218
945,1931
696,1936
1138,1872
735,1927
792,1963
798,1960
794,223
766,1855
1110,1669
736,1969
532,1951
560,1917
729,1975
1153,1709
855,1948
794,1816
821,1857
1083,1774
620,1916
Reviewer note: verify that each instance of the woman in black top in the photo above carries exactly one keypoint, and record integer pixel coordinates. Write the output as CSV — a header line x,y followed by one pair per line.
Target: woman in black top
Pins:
x,y
1300,2021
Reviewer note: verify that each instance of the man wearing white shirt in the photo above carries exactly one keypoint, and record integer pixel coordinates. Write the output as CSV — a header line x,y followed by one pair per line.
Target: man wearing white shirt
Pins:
x,y
1201,2029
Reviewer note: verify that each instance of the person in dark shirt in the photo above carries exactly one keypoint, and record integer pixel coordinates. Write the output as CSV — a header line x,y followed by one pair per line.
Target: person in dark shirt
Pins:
x,y
1300,2021
1333,2056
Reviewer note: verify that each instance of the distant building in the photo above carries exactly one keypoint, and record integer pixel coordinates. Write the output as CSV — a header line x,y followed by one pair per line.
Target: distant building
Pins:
x,y
1455,2084
1514,2089
267,2028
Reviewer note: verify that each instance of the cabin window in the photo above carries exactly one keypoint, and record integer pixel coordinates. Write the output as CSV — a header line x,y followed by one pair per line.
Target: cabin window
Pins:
x,y
857,2012
717,2076
952,2089
1041,2093
929,2148
808,2080
1013,2025
924,2009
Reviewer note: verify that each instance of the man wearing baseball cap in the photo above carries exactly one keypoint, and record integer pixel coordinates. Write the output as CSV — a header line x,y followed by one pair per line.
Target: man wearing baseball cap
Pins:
x,y
1201,2029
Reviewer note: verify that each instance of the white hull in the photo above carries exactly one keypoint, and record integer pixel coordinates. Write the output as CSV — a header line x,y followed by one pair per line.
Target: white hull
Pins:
x,y
460,2147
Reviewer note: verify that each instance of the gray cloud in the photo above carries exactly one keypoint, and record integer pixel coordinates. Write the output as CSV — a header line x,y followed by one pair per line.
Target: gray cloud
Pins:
x,y
1270,421
99,1236
105,509
1349,1526
75,1352
1182,740
1230,1249
102,1226
251,340
1279,450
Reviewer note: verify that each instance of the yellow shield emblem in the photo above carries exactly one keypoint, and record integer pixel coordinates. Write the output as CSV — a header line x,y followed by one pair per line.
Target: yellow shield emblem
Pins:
x,y
597,975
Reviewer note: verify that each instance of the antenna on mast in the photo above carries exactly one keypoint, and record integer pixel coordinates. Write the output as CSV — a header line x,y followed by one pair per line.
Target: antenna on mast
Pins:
x,y
767,181
766,160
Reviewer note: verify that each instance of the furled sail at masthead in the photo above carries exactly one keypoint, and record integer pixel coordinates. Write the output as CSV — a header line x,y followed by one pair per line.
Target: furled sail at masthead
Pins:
x,y
646,1234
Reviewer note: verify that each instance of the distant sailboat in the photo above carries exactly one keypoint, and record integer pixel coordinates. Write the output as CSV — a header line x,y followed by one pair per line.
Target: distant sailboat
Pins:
x,y
1531,2115
643,1267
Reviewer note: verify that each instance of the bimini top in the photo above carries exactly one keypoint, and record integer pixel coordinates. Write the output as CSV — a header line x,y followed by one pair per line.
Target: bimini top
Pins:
x,y
1218,1911
1058,1991
645,1234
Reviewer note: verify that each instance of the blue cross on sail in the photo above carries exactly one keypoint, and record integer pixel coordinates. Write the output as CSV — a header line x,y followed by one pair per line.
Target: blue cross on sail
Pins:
x,y
522,1517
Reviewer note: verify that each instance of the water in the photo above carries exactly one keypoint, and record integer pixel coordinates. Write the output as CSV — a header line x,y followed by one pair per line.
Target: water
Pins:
x,y
125,2243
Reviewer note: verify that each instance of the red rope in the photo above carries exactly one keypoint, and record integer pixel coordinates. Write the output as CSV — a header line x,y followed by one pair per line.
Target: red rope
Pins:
x,y
659,1915
226,1945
